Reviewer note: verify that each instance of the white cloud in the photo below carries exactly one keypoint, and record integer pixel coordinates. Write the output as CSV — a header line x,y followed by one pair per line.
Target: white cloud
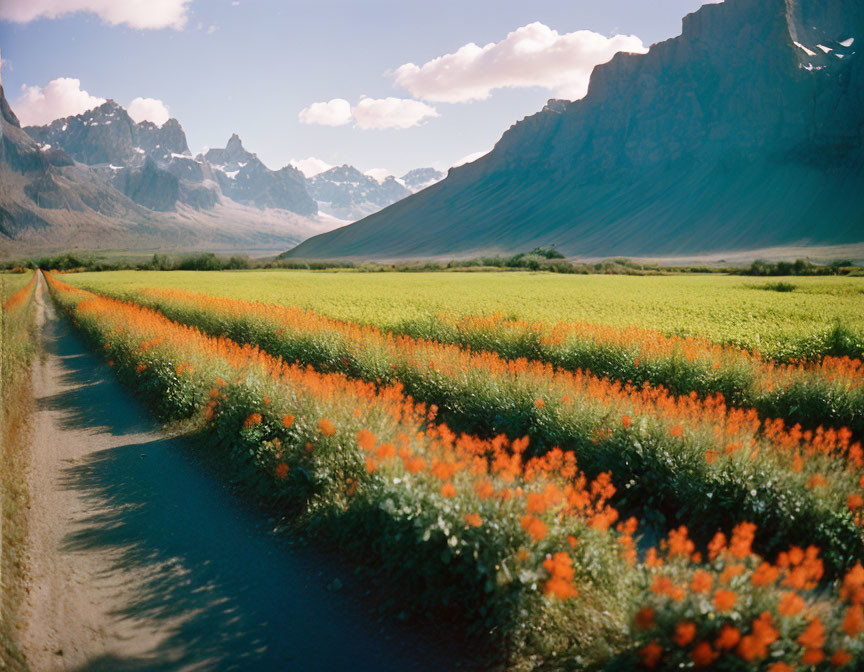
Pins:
x,y
335,112
148,109
142,14
212,29
61,97
380,113
310,166
378,174
533,55
369,113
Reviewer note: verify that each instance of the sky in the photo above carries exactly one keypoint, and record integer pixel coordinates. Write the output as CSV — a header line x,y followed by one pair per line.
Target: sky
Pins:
x,y
386,85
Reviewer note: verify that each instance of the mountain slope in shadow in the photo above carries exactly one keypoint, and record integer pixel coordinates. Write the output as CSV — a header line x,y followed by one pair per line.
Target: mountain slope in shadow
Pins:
x,y
745,131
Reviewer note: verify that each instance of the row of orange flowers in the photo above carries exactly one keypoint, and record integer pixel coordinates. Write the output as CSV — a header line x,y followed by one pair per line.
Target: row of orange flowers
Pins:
x,y
538,520
20,297
644,345
479,391
829,391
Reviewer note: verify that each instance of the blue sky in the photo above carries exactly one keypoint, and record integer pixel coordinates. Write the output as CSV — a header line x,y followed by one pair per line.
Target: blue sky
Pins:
x,y
251,66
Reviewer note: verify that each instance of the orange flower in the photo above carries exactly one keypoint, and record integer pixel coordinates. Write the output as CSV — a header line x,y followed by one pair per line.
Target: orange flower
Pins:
x,y
645,618
288,420
651,654
371,464
652,560
764,630
560,583
731,572
448,489
791,604
749,648
780,667
327,428
473,519
702,582
813,636
813,656
626,421
853,621
252,420
816,481
676,430
841,658
853,585
728,637
742,538
281,470
484,489
854,502
366,440
685,631
724,600
765,575
678,542
717,545
539,403
535,527
703,655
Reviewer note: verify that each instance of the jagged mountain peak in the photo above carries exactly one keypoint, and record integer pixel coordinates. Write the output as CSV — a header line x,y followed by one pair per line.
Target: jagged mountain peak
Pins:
x,y
420,178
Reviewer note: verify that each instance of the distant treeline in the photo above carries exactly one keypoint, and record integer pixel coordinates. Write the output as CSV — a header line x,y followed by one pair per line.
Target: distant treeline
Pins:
x,y
799,267
538,259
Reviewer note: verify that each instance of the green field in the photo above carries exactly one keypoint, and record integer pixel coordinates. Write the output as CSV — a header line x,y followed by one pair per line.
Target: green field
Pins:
x,y
727,309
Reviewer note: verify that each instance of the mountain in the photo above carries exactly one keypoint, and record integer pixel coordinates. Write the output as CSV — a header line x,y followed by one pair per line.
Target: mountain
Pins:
x,y
745,131
108,135
153,166
345,193
99,180
420,178
243,177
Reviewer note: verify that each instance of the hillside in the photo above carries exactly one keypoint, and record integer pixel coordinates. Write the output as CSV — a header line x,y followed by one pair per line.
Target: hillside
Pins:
x,y
746,131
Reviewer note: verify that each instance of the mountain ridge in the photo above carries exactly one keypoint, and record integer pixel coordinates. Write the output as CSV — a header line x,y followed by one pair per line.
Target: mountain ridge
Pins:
x,y
734,134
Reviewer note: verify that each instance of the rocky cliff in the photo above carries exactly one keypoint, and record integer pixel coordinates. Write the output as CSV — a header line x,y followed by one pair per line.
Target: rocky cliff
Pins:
x,y
745,131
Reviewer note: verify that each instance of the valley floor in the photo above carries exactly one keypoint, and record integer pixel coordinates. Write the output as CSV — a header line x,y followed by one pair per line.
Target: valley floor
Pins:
x,y
139,559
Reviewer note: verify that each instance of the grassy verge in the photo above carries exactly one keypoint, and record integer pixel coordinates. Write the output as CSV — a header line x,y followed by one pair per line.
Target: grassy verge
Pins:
x,y
17,338
678,458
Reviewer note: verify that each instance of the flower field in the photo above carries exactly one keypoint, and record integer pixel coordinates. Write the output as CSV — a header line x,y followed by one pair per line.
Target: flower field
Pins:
x,y
731,310
581,495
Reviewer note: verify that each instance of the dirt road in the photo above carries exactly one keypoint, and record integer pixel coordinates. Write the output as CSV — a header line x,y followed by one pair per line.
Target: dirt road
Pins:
x,y
141,560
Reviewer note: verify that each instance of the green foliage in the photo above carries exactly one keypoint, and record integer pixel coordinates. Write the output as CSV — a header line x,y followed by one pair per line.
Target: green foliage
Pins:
x,y
798,267
780,287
